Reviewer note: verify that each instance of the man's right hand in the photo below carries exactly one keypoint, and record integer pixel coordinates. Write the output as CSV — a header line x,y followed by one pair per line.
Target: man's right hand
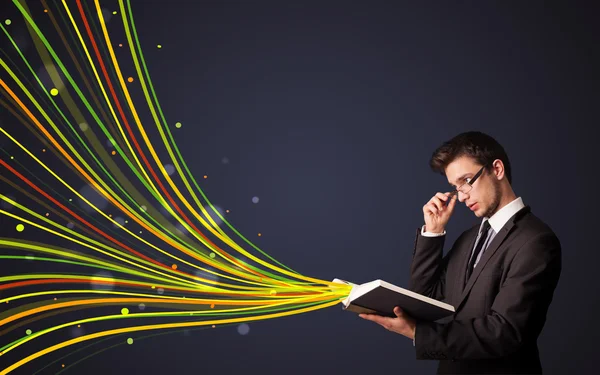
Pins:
x,y
437,214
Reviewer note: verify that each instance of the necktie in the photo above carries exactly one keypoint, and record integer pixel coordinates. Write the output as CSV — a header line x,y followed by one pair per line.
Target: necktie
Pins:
x,y
483,234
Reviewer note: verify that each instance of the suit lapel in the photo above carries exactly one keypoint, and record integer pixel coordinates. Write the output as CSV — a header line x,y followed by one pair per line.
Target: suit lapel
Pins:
x,y
487,254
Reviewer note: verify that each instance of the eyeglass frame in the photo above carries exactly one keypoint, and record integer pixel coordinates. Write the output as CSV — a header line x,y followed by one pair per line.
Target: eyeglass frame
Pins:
x,y
470,183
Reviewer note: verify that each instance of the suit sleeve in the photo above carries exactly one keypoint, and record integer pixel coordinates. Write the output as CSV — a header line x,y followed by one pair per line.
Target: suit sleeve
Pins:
x,y
428,267
518,312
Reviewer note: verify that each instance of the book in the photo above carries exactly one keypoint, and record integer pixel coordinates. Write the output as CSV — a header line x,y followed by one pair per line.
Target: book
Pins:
x,y
380,297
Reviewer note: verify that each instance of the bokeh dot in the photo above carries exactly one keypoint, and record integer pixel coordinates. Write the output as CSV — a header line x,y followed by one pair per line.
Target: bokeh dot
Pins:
x,y
124,311
54,92
114,12
159,46
28,332
212,255
177,124
141,306
160,290
130,79
113,152
130,341
8,22
20,227
255,200
170,169
144,208
174,266
243,329
273,292
83,126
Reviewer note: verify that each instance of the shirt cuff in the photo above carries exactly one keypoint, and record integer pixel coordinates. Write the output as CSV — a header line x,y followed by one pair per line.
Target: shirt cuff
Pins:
x,y
430,234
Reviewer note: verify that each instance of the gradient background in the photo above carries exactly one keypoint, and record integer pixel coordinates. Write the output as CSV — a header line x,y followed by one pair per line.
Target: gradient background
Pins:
x,y
328,112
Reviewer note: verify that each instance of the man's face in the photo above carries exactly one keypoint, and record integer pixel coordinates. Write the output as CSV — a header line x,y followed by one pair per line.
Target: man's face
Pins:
x,y
484,197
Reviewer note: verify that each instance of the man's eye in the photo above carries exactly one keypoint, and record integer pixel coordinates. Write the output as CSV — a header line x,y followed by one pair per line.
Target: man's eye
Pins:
x,y
467,180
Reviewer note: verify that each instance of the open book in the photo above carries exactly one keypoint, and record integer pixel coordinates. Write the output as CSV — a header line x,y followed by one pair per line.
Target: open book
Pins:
x,y
380,297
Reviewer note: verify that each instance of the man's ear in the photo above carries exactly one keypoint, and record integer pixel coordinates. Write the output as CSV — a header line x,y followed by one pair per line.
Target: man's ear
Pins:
x,y
498,169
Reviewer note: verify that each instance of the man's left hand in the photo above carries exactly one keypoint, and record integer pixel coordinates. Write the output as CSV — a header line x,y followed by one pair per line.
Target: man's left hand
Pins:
x,y
402,323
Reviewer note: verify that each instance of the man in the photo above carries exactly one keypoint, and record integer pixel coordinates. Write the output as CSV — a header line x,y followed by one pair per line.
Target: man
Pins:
x,y
500,275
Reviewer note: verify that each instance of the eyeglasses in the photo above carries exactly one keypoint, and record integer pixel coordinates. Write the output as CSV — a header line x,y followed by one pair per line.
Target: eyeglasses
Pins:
x,y
467,186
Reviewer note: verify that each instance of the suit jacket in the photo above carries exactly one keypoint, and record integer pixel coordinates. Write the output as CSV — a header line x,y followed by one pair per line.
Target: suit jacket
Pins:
x,y
501,310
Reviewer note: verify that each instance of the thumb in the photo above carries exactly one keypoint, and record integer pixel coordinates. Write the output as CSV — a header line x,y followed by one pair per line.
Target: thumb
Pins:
x,y
398,311
453,202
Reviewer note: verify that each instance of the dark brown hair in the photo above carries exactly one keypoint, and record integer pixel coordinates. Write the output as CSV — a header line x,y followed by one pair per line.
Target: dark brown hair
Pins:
x,y
481,147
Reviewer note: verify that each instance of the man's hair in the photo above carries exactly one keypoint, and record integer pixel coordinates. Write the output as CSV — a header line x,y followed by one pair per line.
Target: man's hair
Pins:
x,y
481,147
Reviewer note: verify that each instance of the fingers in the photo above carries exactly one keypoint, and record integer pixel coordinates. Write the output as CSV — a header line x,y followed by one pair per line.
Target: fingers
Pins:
x,y
436,203
374,318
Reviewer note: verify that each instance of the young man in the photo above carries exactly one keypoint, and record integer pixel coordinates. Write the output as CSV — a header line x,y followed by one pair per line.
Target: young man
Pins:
x,y
500,275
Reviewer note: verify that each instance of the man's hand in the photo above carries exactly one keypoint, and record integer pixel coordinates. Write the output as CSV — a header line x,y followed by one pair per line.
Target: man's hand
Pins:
x,y
437,214
402,323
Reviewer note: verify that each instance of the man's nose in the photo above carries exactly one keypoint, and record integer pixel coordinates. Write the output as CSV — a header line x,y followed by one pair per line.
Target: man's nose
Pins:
x,y
462,196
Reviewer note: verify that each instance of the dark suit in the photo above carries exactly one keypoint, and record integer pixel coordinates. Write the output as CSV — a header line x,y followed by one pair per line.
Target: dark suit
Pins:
x,y
501,310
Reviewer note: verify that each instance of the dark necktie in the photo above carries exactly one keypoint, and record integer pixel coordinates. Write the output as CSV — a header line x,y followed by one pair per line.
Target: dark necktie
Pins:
x,y
482,238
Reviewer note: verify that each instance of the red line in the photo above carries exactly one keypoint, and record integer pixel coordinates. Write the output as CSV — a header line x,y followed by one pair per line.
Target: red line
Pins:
x,y
141,153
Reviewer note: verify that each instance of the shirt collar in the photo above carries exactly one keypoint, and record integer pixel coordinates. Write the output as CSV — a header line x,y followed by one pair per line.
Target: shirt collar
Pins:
x,y
500,218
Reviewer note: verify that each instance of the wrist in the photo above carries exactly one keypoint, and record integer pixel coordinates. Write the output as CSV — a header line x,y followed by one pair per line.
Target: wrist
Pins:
x,y
436,230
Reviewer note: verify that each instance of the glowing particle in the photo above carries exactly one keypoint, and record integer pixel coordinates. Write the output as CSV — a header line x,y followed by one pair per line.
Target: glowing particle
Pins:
x,y
140,232
113,152
174,266
8,22
159,46
45,10
205,176
153,287
212,255
260,234
213,326
12,157
212,305
144,208
255,200
30,257
47,214
63,365
120,45
177,124
273,292
141,306
55,298
130,79
124,311
83,126
54,92
160,290
78,325
20,227
227,211
130,341
28,332
43,150
114,12
126,221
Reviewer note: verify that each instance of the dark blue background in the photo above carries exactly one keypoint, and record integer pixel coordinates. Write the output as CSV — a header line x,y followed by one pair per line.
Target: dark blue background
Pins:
x,y
328,112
